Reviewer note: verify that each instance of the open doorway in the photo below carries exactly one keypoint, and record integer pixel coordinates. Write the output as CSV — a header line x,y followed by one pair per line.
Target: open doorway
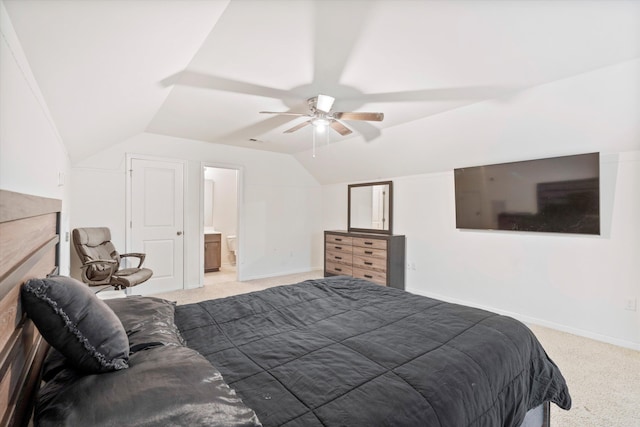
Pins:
x,y
220,224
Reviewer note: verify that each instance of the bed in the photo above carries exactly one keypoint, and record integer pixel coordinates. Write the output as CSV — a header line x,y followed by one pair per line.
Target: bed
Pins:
x,y
335,351
344,351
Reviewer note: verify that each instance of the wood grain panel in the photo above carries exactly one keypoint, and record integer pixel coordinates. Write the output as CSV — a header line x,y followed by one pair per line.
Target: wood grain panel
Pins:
x,y
10,306
340,269
335,247
339,257
28,248
369,263
15,206
21,238
371,275
336,238
370,253
15,366
370,243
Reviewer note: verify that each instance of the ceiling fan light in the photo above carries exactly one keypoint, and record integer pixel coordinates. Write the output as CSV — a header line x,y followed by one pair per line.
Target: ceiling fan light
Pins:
x,y
324,103
320,124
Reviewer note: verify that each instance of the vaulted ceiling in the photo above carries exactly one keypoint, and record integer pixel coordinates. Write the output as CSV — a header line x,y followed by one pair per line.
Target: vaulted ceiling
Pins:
x,y
204,69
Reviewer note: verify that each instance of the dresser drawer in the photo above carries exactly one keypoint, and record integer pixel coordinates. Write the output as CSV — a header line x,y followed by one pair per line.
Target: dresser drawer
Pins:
x,y
341,240
339,247
370,243
370,263
373,276
340,269
339,257
369,252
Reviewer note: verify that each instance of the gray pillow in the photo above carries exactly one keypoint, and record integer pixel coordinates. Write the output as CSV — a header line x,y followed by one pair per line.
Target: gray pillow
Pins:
x,y
76,323
148,321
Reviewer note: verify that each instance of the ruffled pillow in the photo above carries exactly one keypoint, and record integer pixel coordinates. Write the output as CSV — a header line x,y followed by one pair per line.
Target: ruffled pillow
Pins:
x,y
76,323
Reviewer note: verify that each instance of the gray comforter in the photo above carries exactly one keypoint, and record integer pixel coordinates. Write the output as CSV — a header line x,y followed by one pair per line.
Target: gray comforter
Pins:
x,y
344,352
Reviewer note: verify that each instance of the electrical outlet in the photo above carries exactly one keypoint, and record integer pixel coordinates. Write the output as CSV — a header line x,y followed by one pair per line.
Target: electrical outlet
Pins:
x,y
631,304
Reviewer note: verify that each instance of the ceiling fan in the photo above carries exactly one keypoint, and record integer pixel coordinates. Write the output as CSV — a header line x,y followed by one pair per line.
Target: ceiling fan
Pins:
x,y
321,116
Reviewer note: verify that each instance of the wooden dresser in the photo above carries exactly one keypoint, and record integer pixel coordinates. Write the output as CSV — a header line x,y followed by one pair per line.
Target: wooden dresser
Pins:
x,y
376,257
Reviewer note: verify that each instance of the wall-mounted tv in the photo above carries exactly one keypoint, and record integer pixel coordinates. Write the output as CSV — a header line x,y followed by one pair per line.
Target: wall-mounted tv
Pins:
x,y
556,195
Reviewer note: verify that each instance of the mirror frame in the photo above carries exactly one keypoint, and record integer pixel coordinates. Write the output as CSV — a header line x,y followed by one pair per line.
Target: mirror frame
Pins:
x,y
370,230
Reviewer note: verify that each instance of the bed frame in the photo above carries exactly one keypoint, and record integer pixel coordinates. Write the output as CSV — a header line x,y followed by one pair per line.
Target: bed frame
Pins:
x,y
29,247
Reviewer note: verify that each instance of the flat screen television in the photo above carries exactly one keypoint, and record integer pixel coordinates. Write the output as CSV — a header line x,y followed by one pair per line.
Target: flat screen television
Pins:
x,y
555,195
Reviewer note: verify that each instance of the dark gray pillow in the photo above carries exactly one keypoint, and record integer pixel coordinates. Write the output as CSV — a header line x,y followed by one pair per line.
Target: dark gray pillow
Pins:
x,y
76,323
148,321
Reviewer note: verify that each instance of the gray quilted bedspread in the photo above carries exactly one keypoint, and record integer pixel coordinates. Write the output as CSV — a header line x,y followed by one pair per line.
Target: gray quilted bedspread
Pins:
x,y
344,352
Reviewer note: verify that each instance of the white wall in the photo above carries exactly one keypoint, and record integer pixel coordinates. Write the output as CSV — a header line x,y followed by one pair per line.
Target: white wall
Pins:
x,y
575,283
280,230
33,159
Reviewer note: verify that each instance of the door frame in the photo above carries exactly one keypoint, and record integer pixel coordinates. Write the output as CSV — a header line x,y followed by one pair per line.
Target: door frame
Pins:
x,y
239,220
129,209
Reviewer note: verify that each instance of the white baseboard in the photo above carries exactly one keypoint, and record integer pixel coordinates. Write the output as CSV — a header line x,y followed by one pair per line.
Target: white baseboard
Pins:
x,y
535,321
280,273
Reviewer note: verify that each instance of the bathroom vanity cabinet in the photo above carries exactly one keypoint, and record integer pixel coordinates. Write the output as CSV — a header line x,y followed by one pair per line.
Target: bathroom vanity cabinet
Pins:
x,y
212,249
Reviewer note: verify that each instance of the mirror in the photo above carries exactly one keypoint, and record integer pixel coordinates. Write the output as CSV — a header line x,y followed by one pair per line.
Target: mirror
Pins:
x,y
370,207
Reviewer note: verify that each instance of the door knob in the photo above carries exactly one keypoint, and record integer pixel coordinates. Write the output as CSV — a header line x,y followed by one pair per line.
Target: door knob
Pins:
x,y
179,233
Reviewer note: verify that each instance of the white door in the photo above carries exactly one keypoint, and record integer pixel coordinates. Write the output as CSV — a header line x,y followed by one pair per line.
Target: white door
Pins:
x,y
157,222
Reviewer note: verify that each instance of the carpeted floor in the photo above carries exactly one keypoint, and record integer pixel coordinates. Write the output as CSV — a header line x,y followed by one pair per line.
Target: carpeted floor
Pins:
x,y
604,380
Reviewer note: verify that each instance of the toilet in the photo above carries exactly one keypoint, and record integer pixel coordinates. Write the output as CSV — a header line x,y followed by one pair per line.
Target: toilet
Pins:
x,y
231,246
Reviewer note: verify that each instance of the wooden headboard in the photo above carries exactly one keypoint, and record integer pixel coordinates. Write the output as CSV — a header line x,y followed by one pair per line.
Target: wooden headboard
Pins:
x,y
29,236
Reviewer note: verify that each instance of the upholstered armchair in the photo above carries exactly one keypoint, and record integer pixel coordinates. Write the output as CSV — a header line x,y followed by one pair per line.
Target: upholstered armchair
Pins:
x,y
101,261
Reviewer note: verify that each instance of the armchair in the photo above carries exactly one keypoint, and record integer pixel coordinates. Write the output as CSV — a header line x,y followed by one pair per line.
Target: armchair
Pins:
x,y
101,261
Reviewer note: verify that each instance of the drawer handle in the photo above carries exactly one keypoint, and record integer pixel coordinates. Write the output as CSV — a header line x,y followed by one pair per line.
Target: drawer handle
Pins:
x,y
338,239
338,269
368,243
337,257
368,276
338,247
368,263
368,252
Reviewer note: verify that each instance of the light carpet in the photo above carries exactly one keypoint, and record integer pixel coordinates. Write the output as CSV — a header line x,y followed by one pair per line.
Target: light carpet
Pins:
x,y
604,380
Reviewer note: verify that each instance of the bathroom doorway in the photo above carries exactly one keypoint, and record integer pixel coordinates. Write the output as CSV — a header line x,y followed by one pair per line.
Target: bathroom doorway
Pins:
x,y
220,224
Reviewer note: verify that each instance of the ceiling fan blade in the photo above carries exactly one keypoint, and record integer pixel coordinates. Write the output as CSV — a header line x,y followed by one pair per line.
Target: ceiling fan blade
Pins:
x,y
374,117
441,94
340,128
207,81
300,126
283,113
